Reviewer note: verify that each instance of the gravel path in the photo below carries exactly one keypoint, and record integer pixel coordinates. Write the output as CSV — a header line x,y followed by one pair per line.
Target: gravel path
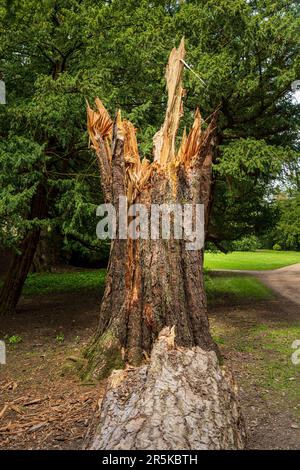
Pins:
x,y
285,281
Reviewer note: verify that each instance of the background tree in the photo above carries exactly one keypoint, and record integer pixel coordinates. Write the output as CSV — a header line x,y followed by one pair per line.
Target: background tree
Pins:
x,y
247,53
286,203
56,53
48,178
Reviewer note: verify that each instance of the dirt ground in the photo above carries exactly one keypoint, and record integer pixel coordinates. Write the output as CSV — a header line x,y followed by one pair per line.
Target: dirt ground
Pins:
x,y
44,405
272,418
48,406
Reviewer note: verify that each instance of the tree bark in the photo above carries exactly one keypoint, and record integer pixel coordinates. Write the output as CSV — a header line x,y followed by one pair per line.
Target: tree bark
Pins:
x,y
21,261
47,254
152,283
180,400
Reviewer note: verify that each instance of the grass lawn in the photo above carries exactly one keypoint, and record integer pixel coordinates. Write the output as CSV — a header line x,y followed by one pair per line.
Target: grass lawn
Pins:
x,y
64,282
258,260
237,287
268,346
219,289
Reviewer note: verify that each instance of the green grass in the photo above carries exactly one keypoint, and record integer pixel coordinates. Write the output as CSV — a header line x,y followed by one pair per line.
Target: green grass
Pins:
x,y
64,282
269,346
258,260
221,289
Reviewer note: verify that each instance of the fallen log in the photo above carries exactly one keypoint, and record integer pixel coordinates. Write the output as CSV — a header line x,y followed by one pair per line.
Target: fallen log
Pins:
x,y
181,399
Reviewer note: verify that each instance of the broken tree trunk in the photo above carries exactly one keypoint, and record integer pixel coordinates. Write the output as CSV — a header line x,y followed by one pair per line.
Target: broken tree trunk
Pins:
x,y
181,400
152,283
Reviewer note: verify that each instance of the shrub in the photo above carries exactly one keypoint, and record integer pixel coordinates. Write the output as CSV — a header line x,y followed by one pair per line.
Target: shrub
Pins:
x,y
277,247
250,243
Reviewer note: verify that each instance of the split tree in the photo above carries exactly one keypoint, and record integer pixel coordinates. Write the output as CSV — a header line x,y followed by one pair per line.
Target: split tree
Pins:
x,y
154,305
152,284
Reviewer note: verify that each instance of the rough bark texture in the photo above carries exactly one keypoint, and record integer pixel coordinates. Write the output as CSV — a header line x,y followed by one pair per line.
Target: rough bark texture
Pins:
x,y
47,254
21,262
180,400
152,283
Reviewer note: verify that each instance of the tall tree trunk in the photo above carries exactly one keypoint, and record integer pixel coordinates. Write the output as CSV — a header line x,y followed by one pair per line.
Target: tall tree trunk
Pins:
x,y
47,254
152,283
21,261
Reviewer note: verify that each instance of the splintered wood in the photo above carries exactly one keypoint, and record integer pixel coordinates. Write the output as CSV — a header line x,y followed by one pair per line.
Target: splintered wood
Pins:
x,y
166,157
164,139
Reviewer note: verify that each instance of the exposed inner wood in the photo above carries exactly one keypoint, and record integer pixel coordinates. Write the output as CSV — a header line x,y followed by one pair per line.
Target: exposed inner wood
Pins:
x,y
166,157
164,139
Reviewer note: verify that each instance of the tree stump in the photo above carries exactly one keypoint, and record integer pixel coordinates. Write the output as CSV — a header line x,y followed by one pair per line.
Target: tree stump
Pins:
x,y
181,400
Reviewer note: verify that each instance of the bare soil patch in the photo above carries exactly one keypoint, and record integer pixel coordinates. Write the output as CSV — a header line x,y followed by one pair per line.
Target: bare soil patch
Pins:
x,y
44,405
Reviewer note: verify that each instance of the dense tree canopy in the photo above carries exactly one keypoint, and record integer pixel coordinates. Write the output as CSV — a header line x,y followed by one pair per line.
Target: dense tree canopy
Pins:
x,y
285,233
55,54
43,55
